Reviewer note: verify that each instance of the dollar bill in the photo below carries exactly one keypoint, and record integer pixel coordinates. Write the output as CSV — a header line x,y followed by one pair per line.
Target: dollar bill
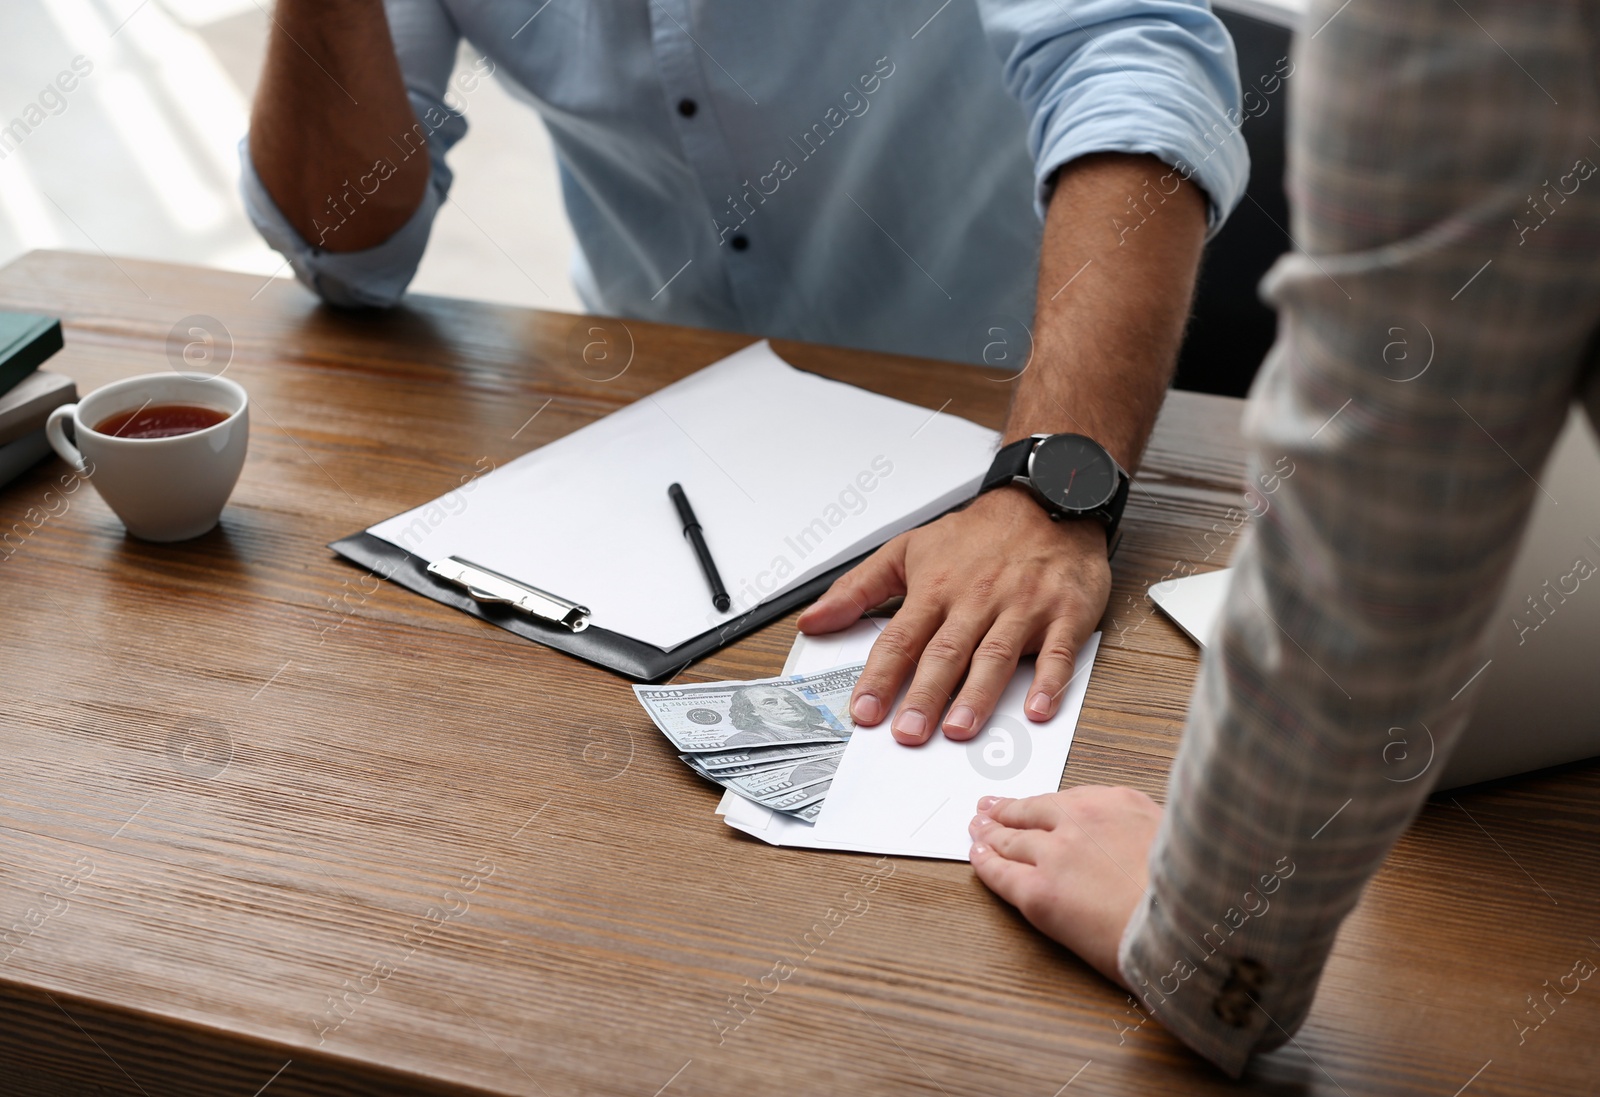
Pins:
x,y
750,758
809,813
799,798
757,763
768,786
802,803
723,716
776,742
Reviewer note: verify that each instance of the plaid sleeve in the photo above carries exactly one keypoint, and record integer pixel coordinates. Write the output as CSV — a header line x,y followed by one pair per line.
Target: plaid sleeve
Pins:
x,y
1429,347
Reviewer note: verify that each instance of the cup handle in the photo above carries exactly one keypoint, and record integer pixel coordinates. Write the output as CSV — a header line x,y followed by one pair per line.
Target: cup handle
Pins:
x,y
55,431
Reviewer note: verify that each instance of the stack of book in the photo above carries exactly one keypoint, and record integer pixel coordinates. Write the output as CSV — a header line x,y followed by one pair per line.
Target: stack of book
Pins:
x,y
28,394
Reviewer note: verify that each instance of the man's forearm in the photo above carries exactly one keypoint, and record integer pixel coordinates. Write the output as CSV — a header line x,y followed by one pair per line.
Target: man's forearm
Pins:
x,y
1112,303
329,109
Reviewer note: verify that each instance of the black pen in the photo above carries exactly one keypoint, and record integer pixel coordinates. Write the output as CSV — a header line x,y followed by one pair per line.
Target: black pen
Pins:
x,y
691,530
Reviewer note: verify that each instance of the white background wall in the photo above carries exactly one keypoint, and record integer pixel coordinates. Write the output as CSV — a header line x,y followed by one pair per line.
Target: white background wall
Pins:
x,y
143,162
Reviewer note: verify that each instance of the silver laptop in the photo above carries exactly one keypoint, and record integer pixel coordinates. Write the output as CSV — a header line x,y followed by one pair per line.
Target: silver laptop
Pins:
x,y
1538,696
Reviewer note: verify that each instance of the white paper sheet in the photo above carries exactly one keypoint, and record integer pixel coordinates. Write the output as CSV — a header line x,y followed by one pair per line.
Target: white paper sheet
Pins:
x,y
788,472
917,801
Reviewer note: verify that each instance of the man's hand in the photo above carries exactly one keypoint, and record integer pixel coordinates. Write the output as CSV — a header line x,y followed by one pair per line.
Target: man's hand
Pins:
x,y
1073,863
983,587
999,580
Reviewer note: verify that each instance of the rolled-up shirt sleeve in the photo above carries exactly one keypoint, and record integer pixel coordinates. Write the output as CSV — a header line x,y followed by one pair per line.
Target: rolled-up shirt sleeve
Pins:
x,y
1156,77
425,41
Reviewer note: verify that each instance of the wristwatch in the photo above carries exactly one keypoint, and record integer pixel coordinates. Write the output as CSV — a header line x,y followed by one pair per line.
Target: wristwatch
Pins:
x,y
1070,476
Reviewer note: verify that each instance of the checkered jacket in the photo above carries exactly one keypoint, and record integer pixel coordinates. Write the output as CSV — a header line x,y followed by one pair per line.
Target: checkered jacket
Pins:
x,y
1437,318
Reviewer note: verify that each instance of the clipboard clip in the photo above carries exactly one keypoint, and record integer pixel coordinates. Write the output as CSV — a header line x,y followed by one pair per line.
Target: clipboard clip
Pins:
x,y
486,585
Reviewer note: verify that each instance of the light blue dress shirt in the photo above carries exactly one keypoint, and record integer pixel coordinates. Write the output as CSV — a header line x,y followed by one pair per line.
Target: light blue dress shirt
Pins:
x,y
869,174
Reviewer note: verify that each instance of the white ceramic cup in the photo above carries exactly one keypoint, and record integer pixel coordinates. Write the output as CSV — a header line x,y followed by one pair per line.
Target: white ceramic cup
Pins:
x,y
163,489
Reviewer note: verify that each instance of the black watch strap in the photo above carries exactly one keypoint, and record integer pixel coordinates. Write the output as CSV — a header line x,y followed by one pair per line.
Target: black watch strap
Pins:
x,y
1114,510
1009,463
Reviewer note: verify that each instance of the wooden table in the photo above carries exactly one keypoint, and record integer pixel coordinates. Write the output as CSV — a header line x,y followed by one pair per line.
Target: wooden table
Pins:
x,y
267,825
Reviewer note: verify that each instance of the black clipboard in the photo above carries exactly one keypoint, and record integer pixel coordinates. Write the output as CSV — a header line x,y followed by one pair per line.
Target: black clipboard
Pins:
x,y
629,657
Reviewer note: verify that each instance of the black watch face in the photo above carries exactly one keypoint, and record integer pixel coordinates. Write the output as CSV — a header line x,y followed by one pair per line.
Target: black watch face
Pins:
x,y
1073,472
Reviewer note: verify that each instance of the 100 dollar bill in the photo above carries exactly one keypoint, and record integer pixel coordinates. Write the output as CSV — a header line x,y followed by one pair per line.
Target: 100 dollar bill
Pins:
x,y
727,716
753,758
772,785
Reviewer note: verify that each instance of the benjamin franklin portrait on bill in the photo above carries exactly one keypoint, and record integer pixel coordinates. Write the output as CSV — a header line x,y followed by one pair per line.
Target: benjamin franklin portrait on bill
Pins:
x,y
768,714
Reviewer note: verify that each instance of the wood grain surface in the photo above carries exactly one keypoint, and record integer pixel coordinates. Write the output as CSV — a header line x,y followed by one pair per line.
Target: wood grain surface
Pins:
x,y
268,825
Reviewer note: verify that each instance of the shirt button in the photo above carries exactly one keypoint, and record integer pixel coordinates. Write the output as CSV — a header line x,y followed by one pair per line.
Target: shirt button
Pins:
x,y
739,242
687,107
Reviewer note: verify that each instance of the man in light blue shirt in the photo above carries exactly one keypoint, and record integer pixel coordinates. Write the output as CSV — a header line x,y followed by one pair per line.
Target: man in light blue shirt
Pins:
x,y
866,174
804,171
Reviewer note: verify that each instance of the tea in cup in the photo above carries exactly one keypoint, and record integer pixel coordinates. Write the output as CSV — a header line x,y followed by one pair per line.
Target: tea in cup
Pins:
x,y
163,450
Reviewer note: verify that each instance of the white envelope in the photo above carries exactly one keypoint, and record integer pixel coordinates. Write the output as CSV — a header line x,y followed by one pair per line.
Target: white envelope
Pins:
x,y
917,801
